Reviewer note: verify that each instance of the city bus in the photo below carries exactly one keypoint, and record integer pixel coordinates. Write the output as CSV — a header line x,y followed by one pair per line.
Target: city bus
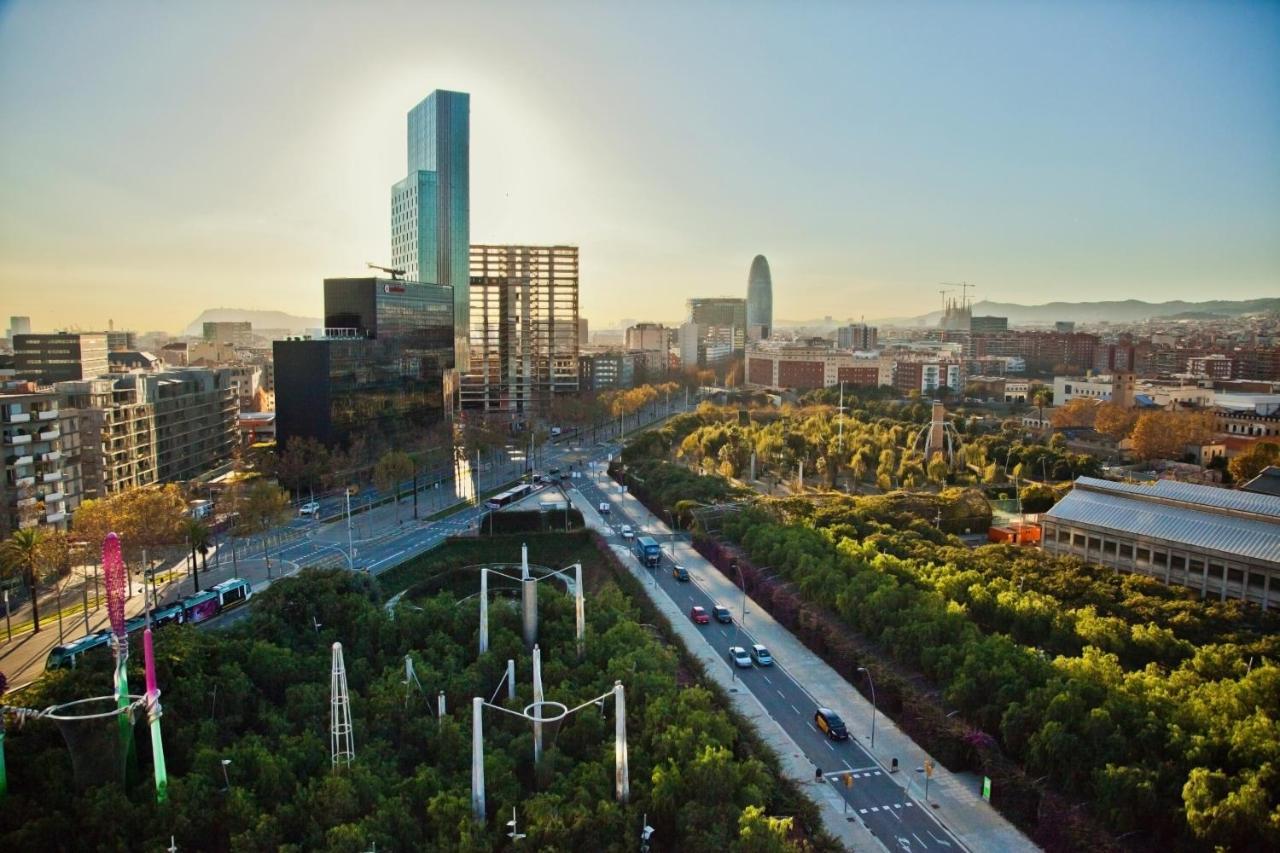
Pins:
x,y
509,497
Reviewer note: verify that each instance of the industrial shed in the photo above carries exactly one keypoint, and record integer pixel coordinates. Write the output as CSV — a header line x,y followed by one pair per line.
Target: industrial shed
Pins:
x,y
1224,543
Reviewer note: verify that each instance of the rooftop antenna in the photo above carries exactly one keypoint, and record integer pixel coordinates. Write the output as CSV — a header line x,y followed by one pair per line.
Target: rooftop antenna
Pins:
x,y
395,274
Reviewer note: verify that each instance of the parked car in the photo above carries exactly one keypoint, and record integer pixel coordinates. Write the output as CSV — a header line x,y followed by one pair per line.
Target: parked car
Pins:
x,y
309,508
699,615
722,614
627,532
679,572
830,724
761,655
604,508
555,431
740,657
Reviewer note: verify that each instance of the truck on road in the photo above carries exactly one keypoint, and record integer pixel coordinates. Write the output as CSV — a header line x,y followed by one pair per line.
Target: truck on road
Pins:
x,y
649,551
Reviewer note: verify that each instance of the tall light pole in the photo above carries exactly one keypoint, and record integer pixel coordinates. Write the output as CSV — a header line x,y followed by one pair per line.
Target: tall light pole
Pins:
x,y
873,704
733,667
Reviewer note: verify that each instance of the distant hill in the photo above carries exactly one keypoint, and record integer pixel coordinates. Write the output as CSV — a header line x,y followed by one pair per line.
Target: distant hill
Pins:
x,y
259,319
1127,311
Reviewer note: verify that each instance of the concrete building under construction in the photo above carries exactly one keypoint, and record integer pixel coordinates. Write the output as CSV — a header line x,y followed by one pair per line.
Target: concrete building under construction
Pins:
x,y
524,329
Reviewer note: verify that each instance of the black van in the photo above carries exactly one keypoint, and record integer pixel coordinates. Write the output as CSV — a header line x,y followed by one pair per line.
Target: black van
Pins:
x,y
830,724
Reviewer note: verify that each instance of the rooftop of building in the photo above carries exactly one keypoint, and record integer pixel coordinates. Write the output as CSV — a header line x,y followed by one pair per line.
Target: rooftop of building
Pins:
x,y
1234,523
1266,483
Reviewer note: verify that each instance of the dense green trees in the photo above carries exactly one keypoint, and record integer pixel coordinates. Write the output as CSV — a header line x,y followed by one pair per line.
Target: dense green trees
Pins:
x,y
258,696
1157,708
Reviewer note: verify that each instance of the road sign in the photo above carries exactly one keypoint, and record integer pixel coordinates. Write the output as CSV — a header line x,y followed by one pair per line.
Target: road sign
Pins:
x,y
986,788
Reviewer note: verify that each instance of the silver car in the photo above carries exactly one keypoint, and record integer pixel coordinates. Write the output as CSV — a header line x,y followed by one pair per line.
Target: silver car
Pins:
x,y
740,657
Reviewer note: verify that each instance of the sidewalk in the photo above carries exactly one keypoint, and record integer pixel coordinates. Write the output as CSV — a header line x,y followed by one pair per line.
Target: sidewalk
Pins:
x,y
795,765
956,797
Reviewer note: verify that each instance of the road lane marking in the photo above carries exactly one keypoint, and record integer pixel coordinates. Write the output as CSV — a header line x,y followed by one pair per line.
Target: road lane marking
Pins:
x,y
766,678
809,724
829,746
794,708
918,838
783,695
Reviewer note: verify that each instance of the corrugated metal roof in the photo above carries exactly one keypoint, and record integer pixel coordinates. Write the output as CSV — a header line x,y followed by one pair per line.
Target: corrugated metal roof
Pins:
x,y
1190,493
1205,529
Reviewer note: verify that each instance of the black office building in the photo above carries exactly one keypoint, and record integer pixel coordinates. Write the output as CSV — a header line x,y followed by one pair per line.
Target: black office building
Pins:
x,y
379,371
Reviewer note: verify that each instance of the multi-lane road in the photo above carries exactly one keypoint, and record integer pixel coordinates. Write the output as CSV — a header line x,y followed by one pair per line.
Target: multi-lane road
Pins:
x,y
877,796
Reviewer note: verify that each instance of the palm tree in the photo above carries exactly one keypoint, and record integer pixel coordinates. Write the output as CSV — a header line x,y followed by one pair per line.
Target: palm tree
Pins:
x,y
1042,397
23,553
197,536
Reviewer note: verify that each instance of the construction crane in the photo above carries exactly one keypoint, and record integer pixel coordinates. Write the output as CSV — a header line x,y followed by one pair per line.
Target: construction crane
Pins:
x,y
395,274
943,294
964,286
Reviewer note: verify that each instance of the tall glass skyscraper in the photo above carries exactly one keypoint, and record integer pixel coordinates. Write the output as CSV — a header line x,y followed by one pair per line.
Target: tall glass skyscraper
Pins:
x,y
759,299
431,207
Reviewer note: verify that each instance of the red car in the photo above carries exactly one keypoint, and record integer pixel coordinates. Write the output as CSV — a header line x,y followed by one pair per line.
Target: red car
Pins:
x,y
699,616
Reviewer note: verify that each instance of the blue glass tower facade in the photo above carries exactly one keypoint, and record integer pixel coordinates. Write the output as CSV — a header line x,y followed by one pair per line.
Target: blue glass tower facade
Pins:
x,y
431,207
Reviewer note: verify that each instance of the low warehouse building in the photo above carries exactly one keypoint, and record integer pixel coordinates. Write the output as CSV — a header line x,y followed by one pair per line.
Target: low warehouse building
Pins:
x,y
1224,543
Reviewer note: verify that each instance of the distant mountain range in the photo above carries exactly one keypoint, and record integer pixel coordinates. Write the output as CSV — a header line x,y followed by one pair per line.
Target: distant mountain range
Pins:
x,y
1126,311
259,319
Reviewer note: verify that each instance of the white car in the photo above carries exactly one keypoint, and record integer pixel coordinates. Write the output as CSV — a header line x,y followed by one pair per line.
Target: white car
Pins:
x,y
627,532
604,508
311,508
740,657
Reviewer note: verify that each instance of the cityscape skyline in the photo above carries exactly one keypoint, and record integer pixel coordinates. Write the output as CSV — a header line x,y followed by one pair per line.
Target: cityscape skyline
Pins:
x,y
1103,167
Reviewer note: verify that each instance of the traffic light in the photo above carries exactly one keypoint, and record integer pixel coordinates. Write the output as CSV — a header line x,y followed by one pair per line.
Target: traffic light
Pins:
x,y
848,780
928,767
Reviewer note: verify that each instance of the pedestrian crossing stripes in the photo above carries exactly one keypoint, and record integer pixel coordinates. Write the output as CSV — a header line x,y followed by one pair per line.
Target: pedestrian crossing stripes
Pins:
x,y
887,808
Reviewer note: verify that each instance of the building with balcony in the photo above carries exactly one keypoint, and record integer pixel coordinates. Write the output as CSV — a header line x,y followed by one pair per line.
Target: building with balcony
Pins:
x,y
117,435
39,440
1223,543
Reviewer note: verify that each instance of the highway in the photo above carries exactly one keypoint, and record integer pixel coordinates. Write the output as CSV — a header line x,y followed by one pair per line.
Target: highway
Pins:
x,y
877,796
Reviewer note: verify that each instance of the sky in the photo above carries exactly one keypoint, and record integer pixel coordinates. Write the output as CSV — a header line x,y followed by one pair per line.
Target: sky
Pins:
x,y
158,159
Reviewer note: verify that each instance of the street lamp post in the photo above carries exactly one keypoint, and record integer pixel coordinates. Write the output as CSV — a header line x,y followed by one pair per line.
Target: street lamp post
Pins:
x,y
741,623
873,704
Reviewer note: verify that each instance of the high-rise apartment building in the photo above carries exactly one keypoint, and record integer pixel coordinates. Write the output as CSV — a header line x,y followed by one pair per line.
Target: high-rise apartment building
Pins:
x,y
759,299
379,372
857,336
117,435
40,466
46,359
582,332
430,208
524,328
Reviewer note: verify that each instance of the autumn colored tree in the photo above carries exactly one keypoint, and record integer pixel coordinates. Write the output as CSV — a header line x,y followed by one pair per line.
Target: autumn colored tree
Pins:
x,y
1074,414
1115,421
1249,464
145,518
1165,435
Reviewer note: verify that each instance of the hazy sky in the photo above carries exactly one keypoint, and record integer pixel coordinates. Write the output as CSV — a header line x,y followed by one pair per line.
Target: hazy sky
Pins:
x,y
160,158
